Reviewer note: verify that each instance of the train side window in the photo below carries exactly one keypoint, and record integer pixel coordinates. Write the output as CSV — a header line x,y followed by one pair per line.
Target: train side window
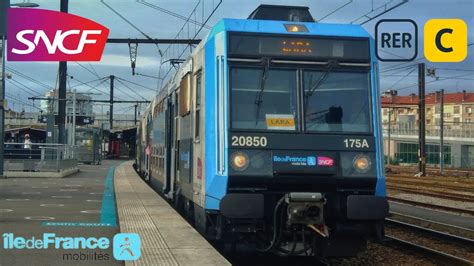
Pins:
x,y
198,106
198,90
176,105
185,95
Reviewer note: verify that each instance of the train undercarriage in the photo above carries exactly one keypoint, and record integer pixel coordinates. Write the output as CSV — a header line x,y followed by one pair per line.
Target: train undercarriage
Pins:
x,y
296,224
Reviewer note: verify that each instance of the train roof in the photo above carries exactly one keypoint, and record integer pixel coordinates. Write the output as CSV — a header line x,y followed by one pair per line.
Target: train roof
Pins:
x,y
282,12
278,27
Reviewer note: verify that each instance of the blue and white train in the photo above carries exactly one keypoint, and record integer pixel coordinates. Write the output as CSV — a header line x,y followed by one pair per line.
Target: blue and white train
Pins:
x,y
269,135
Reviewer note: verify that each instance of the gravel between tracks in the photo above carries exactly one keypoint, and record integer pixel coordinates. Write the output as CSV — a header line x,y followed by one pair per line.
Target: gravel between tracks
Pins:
x,y
378,254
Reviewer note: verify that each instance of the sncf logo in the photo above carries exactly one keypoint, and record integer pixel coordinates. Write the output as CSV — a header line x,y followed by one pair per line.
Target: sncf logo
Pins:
x,y
45,35
325,161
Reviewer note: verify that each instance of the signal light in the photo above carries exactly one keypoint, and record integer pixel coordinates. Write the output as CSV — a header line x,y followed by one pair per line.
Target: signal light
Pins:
x,y
295,28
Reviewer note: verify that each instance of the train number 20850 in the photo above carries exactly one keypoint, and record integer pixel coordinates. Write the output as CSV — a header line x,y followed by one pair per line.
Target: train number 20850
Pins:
x,y
249,141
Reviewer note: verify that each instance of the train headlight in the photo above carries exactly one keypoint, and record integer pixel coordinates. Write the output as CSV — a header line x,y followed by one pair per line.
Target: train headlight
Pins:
x,y
239,161
362,163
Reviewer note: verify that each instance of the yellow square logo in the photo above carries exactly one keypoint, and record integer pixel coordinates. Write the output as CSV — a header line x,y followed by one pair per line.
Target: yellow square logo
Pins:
x,y
445,40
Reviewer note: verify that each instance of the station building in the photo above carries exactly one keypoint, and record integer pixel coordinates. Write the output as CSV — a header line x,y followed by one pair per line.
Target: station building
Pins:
x,y
400,127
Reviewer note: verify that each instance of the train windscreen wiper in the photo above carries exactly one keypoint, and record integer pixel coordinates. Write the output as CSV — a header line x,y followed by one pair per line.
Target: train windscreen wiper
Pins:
x,y
261,87
321,80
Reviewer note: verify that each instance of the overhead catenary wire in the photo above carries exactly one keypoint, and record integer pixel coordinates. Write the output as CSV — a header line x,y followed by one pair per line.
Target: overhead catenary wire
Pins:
x,y
16,99
22,87
125,19
87,69
197,32
95,87
21,103
397,66
132,90
132,25
390,53
452,69
24,76
402,78
86,83
134,83
433,81
385,9
335,10
402,68
401,65
166,11
124,92
125,109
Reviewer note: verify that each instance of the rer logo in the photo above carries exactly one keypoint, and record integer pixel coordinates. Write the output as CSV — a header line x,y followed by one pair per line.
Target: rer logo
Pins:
x,y
45,35
396,40
445,40
127,247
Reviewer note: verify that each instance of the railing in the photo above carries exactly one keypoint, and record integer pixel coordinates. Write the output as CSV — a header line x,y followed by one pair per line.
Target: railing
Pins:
x,y
450,162
455,131
39,157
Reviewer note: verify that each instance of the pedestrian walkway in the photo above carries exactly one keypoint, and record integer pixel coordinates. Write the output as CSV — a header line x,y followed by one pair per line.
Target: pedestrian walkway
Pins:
x,y
74,206
166,238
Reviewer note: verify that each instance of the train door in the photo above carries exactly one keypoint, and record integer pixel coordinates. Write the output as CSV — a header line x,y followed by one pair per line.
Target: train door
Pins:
x,y
169,125
148,148
173,143
185,144
197,172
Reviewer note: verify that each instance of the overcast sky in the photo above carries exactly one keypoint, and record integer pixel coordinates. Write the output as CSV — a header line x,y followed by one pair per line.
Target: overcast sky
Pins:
x,y
157,24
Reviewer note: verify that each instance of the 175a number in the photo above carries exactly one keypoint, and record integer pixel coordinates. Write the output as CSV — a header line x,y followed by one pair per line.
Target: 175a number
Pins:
x,y
356,143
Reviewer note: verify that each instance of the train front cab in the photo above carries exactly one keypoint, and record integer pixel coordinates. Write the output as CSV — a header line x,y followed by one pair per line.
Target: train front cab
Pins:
x,y
292,136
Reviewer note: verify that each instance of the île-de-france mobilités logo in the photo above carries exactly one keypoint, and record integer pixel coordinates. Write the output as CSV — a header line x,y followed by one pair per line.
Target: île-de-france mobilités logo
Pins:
x,y
127,246
46,35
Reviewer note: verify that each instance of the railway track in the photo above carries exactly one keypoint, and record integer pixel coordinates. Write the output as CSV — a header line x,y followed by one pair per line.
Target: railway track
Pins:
x,y
430,170
443,195
426,251
433,224
432,206
441,256
465,187
447,180
454,238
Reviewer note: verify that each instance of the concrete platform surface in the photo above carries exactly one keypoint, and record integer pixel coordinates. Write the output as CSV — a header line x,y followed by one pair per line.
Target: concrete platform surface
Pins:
x,y
60,174
166,237
68,207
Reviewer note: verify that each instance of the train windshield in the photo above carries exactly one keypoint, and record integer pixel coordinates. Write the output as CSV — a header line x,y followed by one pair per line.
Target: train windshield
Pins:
x,y
332,101
264,98
336,101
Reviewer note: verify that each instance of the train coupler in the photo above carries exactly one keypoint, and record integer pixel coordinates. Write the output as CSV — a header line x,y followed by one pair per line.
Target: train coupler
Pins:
x,y
305,208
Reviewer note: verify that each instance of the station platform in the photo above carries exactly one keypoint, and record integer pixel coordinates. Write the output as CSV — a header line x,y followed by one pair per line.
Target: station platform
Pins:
x,y
167,238
98,201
